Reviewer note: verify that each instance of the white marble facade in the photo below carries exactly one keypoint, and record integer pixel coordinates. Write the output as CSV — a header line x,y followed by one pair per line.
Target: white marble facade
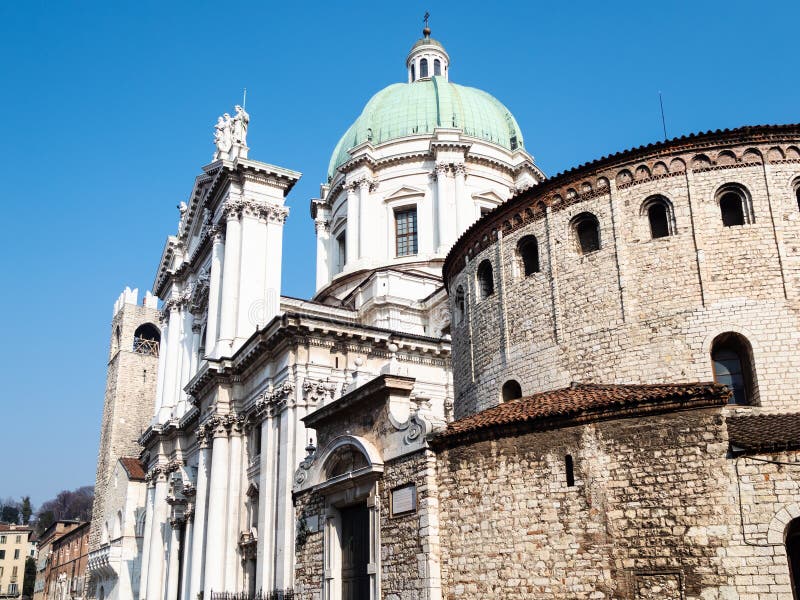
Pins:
x,y
240,365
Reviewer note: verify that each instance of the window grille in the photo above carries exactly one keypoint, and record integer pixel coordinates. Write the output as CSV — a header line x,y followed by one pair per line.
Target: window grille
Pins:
x,y
406,232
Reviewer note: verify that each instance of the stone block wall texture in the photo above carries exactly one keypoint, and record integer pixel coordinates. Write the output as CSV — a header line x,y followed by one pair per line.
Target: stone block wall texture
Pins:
x,y
654,513
127,407
639,310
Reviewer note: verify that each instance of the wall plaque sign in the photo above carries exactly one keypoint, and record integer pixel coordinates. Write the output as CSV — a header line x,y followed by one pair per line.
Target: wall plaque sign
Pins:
x,y
404,500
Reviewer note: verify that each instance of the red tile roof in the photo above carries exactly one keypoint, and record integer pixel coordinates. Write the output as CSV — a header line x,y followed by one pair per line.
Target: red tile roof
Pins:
x,y
580,403
133,468
764,433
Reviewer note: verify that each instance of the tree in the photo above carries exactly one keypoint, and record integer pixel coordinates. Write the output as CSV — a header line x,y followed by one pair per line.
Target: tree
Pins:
x,y
10,510
30,577
75,504
26,510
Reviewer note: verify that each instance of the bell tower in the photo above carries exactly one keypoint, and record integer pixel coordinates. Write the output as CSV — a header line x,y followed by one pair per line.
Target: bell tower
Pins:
x,y
130,391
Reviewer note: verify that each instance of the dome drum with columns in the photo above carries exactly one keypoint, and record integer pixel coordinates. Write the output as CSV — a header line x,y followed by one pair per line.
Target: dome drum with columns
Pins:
x,y
421,163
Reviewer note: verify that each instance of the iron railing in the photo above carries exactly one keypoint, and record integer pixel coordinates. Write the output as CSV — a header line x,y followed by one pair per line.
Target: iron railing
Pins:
x,y
145,346
259,595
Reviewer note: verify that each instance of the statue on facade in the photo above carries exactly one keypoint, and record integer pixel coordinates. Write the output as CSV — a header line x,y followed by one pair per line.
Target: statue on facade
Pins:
x,y
240,122
223,136
230,135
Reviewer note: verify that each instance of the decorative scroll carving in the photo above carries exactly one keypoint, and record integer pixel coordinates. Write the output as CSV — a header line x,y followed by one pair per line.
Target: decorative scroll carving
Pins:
x,y
301,474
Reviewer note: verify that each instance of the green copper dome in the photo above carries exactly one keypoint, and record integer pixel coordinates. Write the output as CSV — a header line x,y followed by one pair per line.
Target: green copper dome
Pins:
x,y
405,109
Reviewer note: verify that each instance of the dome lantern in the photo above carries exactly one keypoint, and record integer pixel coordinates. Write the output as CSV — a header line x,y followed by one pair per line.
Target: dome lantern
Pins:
x,y
427,58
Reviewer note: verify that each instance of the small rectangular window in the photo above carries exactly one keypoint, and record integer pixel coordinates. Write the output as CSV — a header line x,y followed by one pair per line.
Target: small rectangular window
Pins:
x,y
16,553
570,469
19,539
2,539
2,554
406,232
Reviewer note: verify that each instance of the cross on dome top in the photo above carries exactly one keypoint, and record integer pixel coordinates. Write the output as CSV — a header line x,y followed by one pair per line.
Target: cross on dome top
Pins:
x,y
427,58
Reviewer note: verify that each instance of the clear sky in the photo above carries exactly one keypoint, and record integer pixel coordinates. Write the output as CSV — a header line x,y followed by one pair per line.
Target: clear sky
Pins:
x,y
108,110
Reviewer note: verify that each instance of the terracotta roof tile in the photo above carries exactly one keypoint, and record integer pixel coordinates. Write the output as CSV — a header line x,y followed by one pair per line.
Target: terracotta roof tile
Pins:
x,y
764,433
133,468
581,402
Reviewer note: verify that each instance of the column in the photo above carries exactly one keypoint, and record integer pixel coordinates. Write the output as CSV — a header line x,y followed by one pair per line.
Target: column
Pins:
x,y
200,519
363,218
230,282
441,207
173,562
251,299
351,233
284,550
148,523
232,561
171,374
185,358
155,570
214,291
194,361
213,578
324,274
265,574
186,561
463,204
276,217
162,362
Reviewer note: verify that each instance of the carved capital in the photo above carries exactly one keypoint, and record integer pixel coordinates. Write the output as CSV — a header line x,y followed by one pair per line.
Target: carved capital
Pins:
x,y
321,226
459,169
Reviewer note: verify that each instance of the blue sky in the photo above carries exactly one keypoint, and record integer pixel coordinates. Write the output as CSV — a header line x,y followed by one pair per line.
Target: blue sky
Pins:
x,y
108,110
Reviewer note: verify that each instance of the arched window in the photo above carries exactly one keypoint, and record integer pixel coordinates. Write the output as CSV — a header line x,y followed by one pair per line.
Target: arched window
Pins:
x,y
485,279
587,232
731,357
528,255
660,216
423,67
511,390
146,339
730,205
437,66
459,305
413,73
117,338
793,554
734,205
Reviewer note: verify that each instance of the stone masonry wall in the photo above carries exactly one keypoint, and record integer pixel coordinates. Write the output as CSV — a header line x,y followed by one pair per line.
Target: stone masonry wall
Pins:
x,y
127,407
653,513
641,310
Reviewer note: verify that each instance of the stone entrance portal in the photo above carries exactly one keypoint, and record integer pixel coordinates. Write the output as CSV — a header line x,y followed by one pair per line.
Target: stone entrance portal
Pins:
x,y
355,552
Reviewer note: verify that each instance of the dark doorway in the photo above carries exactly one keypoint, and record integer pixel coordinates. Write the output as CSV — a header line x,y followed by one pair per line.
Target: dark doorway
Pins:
x,y
355,552
793,554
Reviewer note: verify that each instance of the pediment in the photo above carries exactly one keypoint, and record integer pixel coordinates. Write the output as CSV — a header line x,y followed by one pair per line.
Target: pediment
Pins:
x,y
489,196
405,191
